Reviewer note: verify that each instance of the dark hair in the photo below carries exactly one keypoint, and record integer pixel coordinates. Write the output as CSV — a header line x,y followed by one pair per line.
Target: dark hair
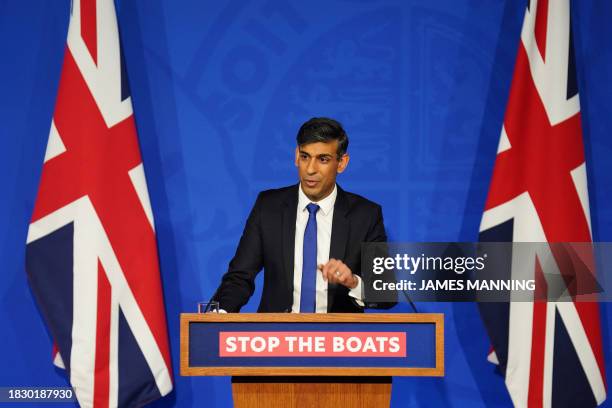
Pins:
x,y
323,130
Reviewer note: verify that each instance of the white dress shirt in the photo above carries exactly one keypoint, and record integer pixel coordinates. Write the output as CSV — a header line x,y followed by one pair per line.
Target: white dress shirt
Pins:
x,y
325,216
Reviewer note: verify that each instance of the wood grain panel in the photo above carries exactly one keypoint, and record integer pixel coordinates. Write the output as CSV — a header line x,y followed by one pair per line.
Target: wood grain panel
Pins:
x,y
320,395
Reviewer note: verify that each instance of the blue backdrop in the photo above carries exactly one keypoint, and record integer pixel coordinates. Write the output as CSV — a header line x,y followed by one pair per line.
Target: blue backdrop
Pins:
x,y
219,90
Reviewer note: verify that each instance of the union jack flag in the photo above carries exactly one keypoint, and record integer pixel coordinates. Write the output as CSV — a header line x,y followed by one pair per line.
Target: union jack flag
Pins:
x,y
549,352
91,252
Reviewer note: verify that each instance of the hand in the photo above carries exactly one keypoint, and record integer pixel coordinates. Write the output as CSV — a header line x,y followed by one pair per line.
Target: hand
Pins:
x,y
336,271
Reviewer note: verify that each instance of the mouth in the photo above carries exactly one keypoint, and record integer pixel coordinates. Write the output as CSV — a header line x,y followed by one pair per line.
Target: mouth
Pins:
x,y
310,183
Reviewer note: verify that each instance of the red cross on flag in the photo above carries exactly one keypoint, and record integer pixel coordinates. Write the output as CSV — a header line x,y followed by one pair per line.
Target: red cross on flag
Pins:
x,y
91,248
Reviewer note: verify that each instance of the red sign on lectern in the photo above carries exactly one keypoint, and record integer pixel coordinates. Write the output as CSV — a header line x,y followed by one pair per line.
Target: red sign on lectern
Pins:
x,y
312,344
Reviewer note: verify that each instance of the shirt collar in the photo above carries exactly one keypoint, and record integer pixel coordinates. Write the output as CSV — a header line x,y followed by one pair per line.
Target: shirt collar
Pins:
x,y
325,205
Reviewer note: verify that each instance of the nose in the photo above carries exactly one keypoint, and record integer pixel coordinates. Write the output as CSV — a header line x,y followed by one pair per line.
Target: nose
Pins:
x,y
312,166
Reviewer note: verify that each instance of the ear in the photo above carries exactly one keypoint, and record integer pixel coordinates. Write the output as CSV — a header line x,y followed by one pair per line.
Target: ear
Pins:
x,y
297,156
343,162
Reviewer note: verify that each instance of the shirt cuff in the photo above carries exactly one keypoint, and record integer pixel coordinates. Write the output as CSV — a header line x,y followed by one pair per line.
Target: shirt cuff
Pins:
x,y
357,292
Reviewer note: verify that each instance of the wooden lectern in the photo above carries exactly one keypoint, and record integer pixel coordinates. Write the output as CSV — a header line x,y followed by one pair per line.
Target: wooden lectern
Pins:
x,y
323,360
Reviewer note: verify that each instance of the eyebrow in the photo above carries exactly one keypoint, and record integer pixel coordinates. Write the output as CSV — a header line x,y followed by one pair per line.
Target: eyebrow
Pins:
x,y
319,155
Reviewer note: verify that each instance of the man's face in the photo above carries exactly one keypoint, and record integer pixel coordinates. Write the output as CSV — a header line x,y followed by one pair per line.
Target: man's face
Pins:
x,y
318,165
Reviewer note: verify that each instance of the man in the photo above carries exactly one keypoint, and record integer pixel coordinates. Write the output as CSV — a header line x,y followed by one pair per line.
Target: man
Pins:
x,y
307,237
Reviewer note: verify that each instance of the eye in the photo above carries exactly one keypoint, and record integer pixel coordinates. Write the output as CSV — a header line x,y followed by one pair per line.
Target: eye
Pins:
x,y
324,159
303,156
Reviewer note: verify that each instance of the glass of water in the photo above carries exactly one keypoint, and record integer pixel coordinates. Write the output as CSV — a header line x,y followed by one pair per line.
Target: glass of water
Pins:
x,y
208,307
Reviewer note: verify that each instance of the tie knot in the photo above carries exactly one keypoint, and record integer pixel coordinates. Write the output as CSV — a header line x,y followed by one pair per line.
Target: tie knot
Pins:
x,y
312,208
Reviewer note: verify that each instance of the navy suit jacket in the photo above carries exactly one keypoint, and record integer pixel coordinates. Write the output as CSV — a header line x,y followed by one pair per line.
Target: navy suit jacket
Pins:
x,y
268,242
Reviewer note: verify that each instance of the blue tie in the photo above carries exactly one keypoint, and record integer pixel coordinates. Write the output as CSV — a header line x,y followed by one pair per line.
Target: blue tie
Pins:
x,y
309,264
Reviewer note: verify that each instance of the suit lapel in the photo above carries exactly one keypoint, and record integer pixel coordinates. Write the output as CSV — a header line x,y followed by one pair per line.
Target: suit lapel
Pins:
x,y
339,238
289,211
